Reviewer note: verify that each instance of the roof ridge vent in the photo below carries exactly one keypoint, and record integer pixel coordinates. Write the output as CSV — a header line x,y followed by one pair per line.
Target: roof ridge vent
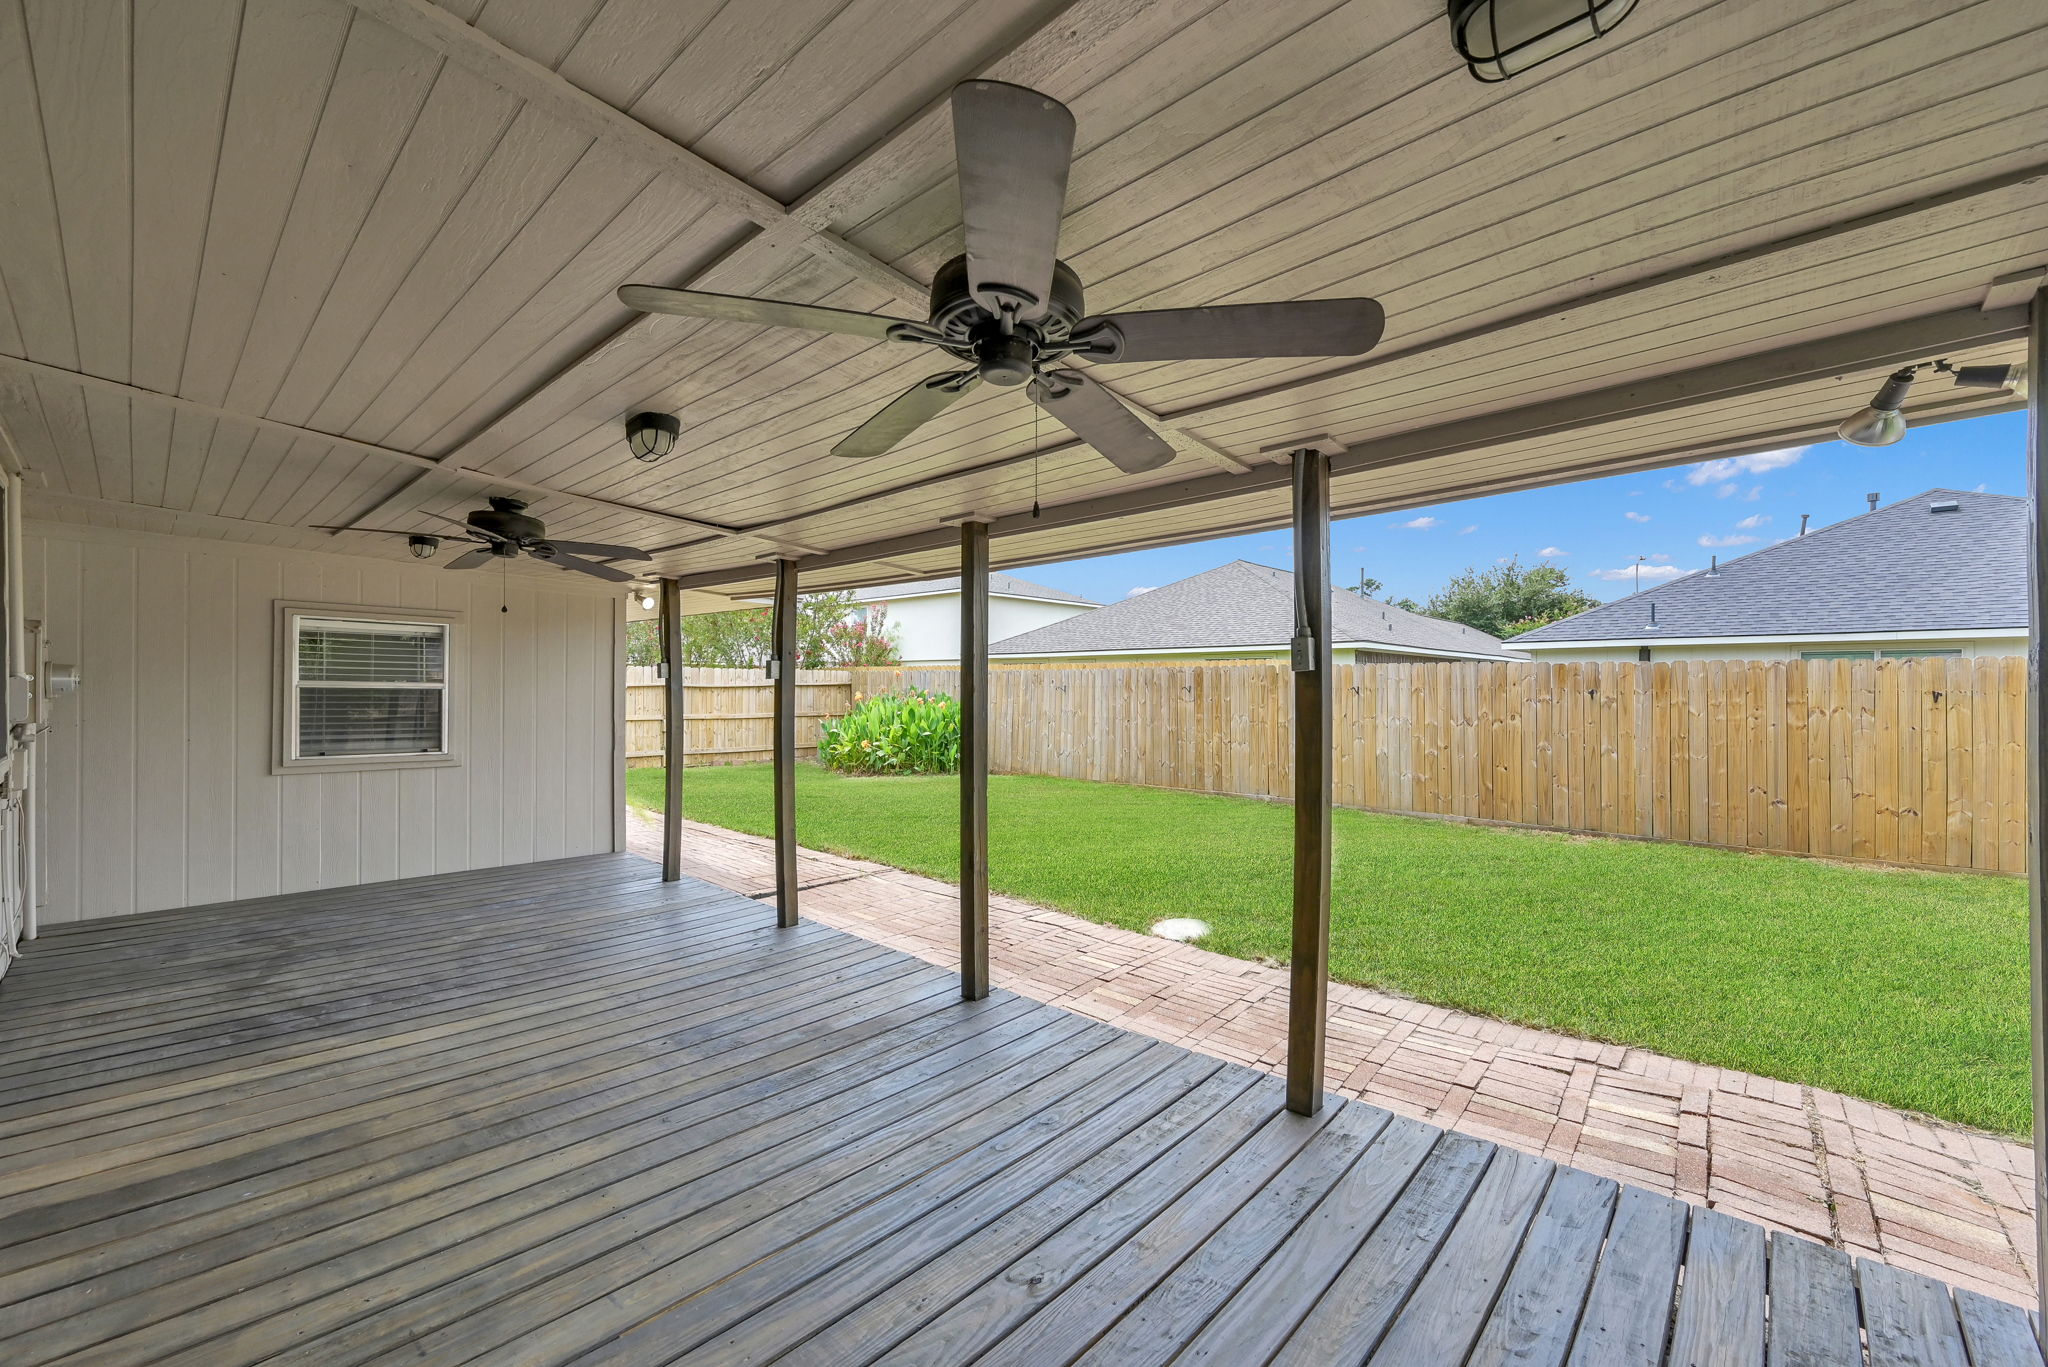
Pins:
x,y
1945,505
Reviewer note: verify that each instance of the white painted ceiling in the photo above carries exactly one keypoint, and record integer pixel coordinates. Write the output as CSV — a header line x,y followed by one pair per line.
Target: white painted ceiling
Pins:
x,y
392,231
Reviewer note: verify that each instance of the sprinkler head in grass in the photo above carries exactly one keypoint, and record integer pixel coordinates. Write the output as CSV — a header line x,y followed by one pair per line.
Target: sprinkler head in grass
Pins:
x,y
1185,929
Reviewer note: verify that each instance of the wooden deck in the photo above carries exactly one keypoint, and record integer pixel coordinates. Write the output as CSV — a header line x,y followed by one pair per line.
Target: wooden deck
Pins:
x,y
562,1113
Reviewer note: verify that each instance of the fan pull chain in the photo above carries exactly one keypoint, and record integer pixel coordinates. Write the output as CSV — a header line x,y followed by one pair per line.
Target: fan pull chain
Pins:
x,y
1036,451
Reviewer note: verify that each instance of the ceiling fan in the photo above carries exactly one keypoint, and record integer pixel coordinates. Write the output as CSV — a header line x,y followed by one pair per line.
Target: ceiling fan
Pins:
x,y
1011,312
503,530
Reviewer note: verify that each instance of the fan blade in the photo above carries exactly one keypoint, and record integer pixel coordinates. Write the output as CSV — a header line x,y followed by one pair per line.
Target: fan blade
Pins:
x,y
582,566
1099,418
1014,147
1307,327
600,550
477,532
471,560
733,308
907,412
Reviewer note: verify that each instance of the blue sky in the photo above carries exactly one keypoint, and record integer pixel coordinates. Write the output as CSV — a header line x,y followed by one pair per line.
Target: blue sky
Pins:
x,y
1596,529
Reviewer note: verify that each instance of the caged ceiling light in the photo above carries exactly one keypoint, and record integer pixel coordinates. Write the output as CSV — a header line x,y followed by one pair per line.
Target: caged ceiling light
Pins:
x,y
423,547
650,436
1503,38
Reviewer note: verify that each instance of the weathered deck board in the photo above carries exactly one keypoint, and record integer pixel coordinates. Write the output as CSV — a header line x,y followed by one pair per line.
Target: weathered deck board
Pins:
x,y
566,1114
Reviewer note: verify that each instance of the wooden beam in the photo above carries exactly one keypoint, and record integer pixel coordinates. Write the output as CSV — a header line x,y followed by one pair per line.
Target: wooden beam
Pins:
x,y
2037,763
673,754
974,971
178,403
1308,991
1759,372
782,669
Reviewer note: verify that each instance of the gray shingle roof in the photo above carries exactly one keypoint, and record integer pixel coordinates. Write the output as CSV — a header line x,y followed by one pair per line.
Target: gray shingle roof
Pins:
x,y
1240,604
1901,568
1001,585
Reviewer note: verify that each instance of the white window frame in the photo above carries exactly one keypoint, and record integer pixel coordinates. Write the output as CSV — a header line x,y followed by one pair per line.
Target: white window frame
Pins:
x,y
285,758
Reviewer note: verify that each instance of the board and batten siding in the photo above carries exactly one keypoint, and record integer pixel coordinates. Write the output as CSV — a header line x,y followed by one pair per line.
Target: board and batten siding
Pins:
x,y
156,786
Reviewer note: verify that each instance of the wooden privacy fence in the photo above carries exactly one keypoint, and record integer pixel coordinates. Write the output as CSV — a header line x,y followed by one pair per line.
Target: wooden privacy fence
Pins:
x,y
1906,761
729,715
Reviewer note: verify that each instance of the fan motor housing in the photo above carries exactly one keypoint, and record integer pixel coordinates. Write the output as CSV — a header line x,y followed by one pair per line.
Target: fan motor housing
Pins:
x,y
956,313
507,517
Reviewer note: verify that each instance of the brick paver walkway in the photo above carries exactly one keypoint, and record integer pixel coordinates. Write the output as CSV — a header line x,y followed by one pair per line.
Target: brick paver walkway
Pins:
x,y
1954,1203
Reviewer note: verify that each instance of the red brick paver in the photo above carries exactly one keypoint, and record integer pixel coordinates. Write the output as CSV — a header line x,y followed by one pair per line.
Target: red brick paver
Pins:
x,y
1921,1194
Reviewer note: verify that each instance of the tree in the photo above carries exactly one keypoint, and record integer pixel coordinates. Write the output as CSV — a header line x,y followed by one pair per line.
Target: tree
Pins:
x,y
1507,600
831,632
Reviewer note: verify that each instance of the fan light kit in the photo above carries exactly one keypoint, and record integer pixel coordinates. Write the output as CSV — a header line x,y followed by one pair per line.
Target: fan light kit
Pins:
x,y
1011,313
1883,422
502,531
650,436
1503,38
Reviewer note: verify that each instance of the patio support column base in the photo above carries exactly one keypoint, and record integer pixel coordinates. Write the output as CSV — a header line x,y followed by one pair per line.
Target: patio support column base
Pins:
x,y
1309,973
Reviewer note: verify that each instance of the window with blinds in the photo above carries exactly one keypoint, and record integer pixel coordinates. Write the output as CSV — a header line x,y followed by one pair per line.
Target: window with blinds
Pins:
x,y
368,688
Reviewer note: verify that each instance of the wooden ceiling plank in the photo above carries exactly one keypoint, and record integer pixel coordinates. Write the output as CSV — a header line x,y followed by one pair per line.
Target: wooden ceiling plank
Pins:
x,y
185,460
184,65
33,264
1516,379
529,168
1396,179
81,54
286,59
459,131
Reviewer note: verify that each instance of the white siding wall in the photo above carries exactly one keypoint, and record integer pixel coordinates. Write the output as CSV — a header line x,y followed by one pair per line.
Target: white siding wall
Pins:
x,y
927,630
1775,650
156,788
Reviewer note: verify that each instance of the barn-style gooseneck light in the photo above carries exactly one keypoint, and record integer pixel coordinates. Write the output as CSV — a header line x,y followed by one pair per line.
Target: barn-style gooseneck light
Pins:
x,y
1503,38
1883,422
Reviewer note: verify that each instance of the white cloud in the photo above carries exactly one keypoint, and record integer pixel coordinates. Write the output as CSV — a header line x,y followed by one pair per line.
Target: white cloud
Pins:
x,y
1756,491
1467,531
1627,574
1728,491
1728,467
1143,588
1549,551
1660,559
1754,520
1634,516
1731,540
1420,523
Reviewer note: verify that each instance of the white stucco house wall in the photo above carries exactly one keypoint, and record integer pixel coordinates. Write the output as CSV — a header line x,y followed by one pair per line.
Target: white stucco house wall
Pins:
x,y
1940,574
924,619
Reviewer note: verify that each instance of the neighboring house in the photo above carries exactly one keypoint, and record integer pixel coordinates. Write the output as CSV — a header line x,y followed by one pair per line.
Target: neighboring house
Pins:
x,y
1244,611
924,619
1941,573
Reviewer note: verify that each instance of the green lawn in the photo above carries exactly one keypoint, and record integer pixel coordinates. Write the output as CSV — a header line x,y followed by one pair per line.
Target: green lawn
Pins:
x,y
1906,988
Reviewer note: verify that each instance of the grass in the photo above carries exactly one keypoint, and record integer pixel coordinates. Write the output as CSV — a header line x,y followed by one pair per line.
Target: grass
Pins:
x,y
1907,988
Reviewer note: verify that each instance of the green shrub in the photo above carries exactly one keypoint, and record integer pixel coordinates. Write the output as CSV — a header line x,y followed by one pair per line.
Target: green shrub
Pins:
x,y
895,733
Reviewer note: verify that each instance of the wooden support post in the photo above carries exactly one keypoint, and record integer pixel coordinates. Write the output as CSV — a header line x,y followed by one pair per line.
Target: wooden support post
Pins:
x,y
670,606
2037,762
1309,971
974,981
782,669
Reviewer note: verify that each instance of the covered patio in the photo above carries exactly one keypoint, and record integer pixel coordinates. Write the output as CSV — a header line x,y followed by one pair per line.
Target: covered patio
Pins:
x,y
339,1026
583,1115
